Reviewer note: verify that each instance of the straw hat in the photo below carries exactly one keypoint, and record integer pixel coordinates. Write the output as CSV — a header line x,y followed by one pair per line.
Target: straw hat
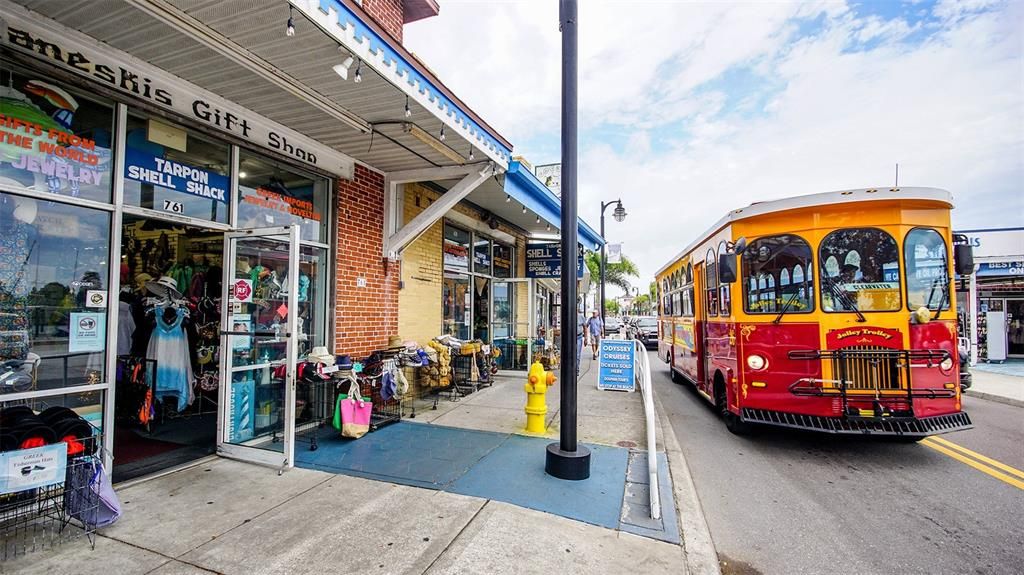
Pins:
x,y
395,342
320,355
164,287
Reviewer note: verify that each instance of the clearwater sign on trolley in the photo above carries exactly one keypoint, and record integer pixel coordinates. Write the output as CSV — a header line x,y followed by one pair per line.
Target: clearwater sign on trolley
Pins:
x,y
616,365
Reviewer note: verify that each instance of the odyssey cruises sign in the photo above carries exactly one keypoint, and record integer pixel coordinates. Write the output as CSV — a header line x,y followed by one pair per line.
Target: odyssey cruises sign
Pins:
x,y
87,57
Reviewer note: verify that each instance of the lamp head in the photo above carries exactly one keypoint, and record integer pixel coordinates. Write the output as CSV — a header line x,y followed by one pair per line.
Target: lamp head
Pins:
x,y
619,213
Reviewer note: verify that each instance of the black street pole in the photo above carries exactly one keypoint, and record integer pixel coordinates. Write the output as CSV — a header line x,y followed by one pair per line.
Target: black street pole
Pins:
x,y
566,459
603,264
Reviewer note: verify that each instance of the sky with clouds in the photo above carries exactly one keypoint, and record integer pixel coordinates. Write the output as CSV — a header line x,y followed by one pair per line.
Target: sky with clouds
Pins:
x,y
689,109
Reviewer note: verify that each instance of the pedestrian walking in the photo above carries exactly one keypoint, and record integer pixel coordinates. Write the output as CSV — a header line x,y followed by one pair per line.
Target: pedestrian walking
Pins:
x,y
594,329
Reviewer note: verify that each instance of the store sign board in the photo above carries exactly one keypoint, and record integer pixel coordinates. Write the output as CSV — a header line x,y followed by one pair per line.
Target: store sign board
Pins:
x,y
545,261
996,243
117,70
995,269
32,468
146,168
616,357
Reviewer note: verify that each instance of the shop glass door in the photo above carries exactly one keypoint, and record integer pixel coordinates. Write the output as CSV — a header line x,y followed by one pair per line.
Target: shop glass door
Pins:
x,y
260,339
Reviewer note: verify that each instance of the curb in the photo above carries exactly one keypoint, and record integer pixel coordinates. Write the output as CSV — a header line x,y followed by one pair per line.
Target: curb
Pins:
x,y
698,547
996,398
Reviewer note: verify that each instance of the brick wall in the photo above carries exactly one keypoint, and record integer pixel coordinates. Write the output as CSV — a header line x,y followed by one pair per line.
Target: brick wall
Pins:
x,y
419,302
387,13
364,316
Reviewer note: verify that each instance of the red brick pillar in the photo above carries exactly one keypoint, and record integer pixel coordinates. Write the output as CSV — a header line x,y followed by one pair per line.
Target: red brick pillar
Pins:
x,y
365,315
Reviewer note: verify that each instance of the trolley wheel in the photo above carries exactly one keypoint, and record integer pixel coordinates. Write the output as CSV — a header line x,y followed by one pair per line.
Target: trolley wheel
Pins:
x,y
676,378
735,425
907,439
314,447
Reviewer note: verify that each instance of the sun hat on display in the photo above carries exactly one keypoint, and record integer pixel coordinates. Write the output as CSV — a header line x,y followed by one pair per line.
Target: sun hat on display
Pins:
x,y
164,287
320,355
395,342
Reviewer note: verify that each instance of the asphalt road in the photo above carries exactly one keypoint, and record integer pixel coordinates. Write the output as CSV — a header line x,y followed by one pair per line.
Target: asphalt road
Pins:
x,y
786,502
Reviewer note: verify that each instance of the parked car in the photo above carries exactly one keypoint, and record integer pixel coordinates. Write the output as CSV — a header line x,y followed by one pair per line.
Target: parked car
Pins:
x,y
646,331
612,325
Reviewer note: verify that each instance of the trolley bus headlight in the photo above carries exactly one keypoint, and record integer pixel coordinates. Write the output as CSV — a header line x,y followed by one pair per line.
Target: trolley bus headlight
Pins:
x,y
756,362
946,365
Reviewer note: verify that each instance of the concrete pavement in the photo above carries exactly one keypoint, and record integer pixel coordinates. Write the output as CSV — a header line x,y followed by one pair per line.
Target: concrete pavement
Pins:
x,y
1000,387
223,516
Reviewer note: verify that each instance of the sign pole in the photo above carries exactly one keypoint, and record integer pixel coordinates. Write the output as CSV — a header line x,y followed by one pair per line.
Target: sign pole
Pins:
x,y
566,459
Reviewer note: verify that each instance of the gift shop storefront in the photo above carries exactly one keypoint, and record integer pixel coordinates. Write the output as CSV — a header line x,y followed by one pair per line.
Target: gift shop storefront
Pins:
x,y
992,298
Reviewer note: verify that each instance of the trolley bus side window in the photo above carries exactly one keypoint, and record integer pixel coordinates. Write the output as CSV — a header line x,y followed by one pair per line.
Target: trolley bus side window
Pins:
x,y
711,284
927,264
777,274
860,271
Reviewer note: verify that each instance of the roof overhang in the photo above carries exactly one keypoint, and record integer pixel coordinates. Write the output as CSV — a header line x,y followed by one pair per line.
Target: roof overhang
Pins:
x,y
524,187
240,53
413,10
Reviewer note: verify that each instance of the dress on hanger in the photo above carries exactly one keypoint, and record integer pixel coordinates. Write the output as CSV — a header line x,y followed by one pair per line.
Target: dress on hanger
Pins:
x,y
169,347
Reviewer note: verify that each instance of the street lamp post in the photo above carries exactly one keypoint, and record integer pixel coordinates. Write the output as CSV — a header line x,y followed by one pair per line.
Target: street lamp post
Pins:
x,y
566,459
619,213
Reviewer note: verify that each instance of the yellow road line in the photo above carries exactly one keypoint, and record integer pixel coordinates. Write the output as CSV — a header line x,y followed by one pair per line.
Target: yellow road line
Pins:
x,y
978,456
982,468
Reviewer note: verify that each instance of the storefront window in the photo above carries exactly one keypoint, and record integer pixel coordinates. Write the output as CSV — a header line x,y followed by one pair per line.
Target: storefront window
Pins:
x,y
174,170
275,195
52,139
927,270
503,309
456,248
53,294
502,261
482,256
455,298
861,271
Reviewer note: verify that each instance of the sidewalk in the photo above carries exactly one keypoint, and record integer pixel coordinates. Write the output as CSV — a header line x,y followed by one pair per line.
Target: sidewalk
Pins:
x,y
993,386
224,516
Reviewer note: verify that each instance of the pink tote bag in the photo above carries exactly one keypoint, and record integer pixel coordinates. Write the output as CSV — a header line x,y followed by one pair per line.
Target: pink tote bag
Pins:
x,y
355,414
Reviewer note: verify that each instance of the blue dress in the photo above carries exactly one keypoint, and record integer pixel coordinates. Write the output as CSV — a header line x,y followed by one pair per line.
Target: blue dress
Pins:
x,y
169,347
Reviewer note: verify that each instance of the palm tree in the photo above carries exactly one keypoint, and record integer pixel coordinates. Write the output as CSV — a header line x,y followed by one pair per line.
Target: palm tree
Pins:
x,y
614,274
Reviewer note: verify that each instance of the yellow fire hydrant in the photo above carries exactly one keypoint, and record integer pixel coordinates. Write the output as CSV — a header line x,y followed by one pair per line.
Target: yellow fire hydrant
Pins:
x,y
536,388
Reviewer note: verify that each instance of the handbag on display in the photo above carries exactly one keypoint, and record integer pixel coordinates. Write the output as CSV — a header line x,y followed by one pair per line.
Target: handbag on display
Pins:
x,y
89,495
352,413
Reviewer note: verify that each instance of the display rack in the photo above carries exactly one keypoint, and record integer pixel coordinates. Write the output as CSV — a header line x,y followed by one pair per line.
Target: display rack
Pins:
x,y
45,517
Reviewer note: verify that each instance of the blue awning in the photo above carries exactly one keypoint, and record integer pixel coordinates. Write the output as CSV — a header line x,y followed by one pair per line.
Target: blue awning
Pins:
x,y
524,187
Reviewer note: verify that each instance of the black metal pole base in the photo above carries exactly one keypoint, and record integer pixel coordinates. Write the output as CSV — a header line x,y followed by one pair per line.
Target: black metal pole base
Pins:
x,y
571,465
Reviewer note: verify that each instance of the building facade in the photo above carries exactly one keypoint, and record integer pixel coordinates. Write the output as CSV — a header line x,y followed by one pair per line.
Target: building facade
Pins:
x,y
992,298
213,198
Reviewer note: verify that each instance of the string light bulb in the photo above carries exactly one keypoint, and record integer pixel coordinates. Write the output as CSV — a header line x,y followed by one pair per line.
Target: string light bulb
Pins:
x,y
538,219
359,71
508,198
524,209
408,112
549,227
442,132
290,31
472,156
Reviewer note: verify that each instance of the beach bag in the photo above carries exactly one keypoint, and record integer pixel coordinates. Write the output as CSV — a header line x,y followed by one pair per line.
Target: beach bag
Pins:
x,y
352,413
89,496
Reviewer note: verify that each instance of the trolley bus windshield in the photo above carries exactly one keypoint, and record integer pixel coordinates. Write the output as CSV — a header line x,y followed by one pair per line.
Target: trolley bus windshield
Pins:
x,y
860,271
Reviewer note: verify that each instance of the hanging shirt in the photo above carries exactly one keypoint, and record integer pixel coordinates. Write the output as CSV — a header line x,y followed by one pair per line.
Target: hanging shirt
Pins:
x,y
169,347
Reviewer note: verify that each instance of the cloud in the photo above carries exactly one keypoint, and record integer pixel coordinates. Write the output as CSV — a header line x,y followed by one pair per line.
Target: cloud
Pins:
x,y
689,110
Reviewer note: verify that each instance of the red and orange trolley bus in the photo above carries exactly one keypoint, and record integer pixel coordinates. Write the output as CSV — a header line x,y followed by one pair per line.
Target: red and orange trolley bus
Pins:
x,y
828,312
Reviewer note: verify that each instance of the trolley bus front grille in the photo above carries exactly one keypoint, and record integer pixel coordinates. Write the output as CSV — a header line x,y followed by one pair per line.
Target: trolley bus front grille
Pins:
x,y
867,368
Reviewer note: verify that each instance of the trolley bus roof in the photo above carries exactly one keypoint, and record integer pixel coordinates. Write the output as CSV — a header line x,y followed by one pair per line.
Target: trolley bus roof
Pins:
x,y
811,201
